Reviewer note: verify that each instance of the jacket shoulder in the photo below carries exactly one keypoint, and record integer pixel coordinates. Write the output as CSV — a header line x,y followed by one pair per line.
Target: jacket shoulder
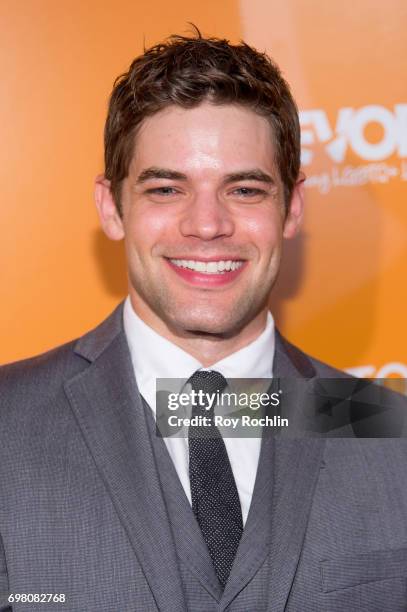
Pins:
x,y
40,380
324,370
308,365
43,374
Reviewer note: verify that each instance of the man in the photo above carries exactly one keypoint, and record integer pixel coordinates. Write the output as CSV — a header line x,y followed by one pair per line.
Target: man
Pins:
x,y
97,513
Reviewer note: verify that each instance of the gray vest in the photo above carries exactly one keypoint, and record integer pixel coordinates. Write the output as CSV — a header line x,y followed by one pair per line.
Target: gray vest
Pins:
x,y
247,587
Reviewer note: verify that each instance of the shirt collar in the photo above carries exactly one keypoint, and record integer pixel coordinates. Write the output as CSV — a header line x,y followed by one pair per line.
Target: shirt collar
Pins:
x,y
153,356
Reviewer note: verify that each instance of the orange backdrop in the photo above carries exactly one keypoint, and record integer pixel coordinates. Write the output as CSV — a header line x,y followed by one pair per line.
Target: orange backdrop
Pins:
x,y
341,292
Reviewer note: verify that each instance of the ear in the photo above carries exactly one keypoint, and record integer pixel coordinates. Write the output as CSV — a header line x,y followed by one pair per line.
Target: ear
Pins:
x,y
295,212
110,219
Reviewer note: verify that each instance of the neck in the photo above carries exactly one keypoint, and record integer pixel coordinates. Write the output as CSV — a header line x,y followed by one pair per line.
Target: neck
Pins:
x,y
207,348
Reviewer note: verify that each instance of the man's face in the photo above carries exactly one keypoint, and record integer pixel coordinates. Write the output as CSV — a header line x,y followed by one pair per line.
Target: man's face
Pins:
x,y
203,220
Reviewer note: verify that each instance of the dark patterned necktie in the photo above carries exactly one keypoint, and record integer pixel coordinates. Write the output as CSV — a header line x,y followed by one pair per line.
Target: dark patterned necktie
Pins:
x,y
215,500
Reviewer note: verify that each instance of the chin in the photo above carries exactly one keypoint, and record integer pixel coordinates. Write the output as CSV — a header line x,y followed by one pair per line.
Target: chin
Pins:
x,y
215,323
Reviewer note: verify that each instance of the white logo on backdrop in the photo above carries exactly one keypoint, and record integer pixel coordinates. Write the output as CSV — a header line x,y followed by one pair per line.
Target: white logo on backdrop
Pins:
x,y
349,136
393,368
392,375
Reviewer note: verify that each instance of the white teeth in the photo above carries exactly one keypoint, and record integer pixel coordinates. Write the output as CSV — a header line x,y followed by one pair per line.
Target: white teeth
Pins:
x,y
210,267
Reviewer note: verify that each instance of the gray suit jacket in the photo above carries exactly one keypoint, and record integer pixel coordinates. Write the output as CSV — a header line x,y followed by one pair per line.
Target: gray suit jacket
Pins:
x,y
82,511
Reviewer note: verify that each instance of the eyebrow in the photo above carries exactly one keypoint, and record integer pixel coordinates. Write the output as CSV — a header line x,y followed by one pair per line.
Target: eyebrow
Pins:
x,y
249,175
165,173
160,173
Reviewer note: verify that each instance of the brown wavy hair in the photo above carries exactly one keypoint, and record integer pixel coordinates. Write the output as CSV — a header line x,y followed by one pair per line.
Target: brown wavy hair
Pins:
x,y
187,71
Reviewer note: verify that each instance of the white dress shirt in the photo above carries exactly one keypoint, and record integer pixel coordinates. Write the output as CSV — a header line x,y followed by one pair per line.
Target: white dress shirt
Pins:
x,y
156,357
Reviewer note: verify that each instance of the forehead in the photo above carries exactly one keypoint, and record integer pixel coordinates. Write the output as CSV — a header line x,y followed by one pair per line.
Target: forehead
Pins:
x,y
208,137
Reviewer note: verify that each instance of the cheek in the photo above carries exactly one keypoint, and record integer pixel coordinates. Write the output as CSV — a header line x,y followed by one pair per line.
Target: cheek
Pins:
x,y
145,228
158,221
264,231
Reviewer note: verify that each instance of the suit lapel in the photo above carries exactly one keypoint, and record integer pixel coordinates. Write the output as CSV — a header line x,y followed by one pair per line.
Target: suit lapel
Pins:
x,y
290,361
107,406
296,467
296,464
255,542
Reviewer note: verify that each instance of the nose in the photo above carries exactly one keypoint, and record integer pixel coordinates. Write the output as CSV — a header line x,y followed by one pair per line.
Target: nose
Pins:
x,y
206,217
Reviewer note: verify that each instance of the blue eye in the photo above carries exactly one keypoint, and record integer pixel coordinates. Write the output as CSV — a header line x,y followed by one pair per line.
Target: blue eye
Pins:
x,y
166,191
249,191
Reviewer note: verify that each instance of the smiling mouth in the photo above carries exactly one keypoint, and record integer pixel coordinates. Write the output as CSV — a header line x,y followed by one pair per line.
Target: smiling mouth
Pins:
x,y
222,266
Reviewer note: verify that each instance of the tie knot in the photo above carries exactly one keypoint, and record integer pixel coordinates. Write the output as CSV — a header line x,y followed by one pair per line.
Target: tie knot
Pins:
x,y
208,381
